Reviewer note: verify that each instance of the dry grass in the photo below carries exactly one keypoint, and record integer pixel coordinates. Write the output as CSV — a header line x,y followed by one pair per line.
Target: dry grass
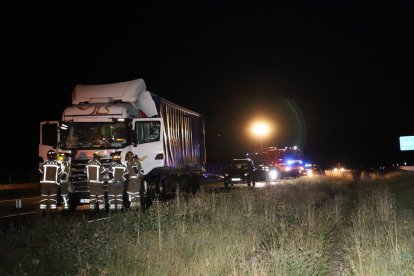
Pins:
x,y
309,226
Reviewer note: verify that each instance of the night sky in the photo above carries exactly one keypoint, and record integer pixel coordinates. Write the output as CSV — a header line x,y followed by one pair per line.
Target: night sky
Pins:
x,y
334,77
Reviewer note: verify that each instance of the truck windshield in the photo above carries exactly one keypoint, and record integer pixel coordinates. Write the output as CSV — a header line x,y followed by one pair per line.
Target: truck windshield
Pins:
x,y
292,155
240,165
95,135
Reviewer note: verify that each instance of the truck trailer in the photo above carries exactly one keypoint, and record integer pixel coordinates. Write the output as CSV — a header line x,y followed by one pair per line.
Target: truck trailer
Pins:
x,y
168,139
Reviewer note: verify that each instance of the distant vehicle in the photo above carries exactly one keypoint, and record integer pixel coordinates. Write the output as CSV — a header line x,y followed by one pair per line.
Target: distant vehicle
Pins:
x,y
287,161
239,171
268,174
312,170
120,117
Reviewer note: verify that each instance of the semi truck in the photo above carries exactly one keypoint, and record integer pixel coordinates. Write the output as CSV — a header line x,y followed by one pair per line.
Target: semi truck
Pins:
x,y
168,139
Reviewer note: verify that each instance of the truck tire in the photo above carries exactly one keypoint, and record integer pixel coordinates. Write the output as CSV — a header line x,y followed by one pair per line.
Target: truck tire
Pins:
x,y
160,189
143,196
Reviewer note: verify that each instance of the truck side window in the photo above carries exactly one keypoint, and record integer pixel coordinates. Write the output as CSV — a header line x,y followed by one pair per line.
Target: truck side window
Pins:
x,y
148,131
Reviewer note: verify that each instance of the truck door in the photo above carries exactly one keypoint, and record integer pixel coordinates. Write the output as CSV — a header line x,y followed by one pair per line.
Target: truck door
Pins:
x,y
148,142
49,133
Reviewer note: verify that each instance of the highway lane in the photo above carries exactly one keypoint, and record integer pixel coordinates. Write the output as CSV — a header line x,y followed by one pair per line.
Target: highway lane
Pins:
x,y
30,203
28,212
11,207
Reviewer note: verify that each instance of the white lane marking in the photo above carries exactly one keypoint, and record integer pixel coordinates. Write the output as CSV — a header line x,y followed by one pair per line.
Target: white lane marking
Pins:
x,y
98,219
15,215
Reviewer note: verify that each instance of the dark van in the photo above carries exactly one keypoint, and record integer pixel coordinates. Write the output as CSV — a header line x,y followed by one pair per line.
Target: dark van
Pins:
x,y
239,171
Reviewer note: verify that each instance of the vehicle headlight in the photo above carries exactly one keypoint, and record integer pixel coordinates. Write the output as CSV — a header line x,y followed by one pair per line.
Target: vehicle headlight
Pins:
x,y
273,175
246,174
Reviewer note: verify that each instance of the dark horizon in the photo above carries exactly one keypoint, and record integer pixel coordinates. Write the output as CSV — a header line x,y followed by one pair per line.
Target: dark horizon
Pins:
x,y
334,77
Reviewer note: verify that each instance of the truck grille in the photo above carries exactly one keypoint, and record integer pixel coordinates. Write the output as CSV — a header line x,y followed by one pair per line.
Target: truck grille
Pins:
x,y
78,176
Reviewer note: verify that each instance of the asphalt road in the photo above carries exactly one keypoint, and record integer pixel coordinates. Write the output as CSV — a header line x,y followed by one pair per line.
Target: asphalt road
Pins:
x,y
20,210
12,207
29,203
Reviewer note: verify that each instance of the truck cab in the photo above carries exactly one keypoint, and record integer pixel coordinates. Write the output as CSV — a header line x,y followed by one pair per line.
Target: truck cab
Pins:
x,y
123,117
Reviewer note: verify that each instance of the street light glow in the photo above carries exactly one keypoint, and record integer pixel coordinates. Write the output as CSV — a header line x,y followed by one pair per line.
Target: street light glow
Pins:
x,y
260,129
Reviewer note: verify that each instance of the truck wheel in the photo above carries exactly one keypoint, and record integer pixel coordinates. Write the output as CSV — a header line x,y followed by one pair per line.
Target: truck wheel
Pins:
x,y
160,189
143,196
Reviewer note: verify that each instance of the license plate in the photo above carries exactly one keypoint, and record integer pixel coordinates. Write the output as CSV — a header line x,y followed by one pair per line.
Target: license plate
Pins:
x,y
84,200
235,179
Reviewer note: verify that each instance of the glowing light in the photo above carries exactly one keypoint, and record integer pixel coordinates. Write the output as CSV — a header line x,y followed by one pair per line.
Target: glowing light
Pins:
x,y
260,129
273,175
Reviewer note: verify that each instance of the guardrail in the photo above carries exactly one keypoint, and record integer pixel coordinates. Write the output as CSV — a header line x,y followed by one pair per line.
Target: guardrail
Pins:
x,y
17,190
5,187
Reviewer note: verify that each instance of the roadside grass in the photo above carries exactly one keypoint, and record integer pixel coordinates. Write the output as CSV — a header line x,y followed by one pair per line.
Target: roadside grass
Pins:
x,y
308,226
380,238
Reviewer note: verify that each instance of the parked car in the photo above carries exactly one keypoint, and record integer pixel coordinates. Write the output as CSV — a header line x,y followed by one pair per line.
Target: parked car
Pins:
x,y
212,177
239,171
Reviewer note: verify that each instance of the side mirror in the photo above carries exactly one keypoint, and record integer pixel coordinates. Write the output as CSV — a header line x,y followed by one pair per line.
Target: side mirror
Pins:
x,y
134,138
